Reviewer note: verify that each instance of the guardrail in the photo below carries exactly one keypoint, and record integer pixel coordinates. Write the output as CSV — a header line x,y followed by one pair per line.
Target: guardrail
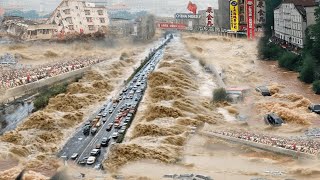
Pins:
x,y
34,87
279,150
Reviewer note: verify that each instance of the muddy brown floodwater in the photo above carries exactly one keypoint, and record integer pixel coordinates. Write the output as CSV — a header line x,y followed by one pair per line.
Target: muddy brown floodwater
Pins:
x,y
288,79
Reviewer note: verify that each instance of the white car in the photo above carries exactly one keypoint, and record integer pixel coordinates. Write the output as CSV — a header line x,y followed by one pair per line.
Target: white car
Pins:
x,y
74,156
91,160
115,135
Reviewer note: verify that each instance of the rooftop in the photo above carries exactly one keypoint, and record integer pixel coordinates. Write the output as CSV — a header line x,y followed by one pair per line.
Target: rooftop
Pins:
x,y
304,3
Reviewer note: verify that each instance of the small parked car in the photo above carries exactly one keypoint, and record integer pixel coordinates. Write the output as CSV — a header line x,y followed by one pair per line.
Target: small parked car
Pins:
x,y
86,130
273,119
105,141
91,160
314,108
98,146
74,156
121,131
264,90
115,135
109,127
95,152
94,131
83,161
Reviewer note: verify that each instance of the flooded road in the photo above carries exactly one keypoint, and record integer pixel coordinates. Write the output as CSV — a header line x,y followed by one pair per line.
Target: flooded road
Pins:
x,y
13,115
289,81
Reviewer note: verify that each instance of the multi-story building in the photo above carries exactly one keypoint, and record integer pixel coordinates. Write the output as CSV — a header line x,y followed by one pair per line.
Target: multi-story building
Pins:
x,y
222,15
242,15
78,16
291,18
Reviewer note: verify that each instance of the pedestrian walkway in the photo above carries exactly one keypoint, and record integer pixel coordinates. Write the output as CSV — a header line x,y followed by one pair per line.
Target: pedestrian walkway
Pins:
x,y
14,77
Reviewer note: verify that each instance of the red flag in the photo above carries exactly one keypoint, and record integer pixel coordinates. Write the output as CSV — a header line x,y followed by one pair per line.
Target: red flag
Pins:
x,y
192,7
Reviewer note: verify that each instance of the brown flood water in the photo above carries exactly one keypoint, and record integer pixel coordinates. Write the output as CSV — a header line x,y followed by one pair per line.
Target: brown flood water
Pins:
x,y
288,79
7,164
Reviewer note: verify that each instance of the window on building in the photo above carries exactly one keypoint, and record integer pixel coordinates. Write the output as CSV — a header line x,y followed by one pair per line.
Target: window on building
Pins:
x,y
66,11
100,12
69,20
71,27
102,20
89,19
87,12
91,27
46,31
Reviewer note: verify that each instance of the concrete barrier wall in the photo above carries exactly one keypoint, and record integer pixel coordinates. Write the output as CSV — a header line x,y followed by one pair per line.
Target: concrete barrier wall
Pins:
x,y
283,151
32,88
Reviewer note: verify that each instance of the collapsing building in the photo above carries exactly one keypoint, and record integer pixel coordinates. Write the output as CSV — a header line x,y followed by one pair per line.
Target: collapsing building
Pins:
x,y
76,16
71,18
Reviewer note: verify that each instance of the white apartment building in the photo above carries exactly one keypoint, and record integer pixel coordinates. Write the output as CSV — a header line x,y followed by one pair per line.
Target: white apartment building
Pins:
x,y
78,16
291,18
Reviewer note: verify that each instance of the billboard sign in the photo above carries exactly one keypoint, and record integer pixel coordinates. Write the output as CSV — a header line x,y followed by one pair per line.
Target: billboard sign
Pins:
x,y
250,19
234,15
205,28
260,12
172,26
209,17
187,16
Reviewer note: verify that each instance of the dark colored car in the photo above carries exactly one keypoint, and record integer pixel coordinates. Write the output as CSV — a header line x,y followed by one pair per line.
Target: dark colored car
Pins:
x,y
273,119
315,108
105,142
263,90
86,130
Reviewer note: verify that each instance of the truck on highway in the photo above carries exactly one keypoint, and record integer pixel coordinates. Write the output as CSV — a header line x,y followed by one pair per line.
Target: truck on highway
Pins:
x,y
115,101
94,122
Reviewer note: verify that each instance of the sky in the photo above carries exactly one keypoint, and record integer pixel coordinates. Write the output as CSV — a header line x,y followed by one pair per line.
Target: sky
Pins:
x,y
158,7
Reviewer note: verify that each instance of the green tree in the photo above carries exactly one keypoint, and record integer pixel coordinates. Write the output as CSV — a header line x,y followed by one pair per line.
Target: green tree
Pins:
x,y
308,45
316,86
268,50
307,73
290,61
315,33
270,6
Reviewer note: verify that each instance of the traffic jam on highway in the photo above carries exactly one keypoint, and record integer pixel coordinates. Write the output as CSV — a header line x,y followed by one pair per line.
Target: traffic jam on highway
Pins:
x,y
109,125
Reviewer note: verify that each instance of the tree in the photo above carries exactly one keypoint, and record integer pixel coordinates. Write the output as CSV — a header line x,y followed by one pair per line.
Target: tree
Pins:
x,y
315,33
270,6
316,87
307,73
290,61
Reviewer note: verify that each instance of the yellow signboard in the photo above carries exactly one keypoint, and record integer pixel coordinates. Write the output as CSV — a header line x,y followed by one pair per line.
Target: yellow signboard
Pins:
x,y
234,15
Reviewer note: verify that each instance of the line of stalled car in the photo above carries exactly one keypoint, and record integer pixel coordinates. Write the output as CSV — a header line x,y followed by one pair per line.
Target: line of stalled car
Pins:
x,y
111,123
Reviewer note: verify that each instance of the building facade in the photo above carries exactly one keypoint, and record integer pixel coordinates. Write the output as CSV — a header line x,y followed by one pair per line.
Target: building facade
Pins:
x,y
291,19
79,17
222,15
